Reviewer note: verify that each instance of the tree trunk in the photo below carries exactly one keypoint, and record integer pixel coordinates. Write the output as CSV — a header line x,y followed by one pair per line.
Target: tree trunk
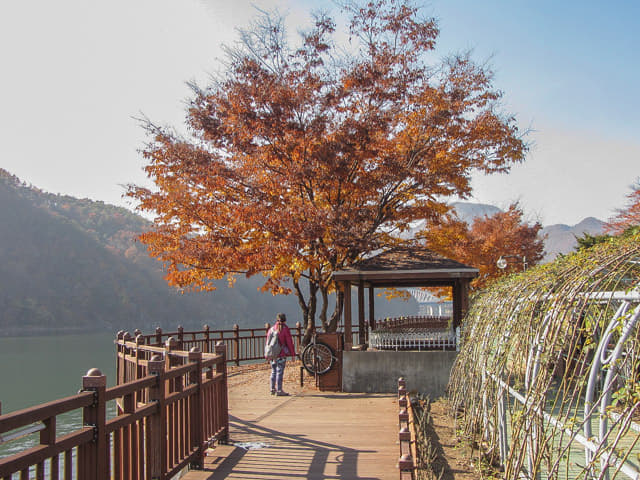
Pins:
x,y
323,311
305,311
337,312
311,316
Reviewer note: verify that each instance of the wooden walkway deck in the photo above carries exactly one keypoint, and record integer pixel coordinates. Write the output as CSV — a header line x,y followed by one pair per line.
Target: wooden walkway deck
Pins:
x,y
309,435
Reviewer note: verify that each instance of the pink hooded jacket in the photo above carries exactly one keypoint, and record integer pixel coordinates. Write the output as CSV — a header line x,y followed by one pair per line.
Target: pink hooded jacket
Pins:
x,y
286,341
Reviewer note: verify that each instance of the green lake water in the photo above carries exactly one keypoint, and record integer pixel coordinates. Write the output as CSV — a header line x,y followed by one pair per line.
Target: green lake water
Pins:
x,y
35,370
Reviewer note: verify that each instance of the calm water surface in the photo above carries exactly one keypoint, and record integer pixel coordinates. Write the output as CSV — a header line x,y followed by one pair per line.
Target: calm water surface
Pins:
x,y
35,370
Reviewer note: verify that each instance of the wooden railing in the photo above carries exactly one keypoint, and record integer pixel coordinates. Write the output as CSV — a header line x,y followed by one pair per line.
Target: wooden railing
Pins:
x,y
407,434
168,412
243,344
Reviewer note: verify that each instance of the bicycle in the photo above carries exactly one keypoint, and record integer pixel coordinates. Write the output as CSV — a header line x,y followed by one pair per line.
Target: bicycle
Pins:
x,y
317,357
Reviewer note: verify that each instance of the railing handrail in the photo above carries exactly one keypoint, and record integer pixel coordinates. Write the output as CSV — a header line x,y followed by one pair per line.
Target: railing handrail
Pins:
x,y
243,344
39,413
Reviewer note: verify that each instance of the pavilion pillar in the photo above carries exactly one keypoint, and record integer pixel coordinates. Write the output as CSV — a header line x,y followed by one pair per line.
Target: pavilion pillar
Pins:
x,y
464,298
361,324
372,318
348,337
457,304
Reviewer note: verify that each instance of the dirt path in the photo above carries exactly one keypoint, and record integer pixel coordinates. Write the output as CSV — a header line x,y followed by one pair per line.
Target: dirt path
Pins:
x,y
453,459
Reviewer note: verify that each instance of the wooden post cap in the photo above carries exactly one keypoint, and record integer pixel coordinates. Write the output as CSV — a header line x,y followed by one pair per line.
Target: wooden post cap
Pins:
x,y
402,401
402,391
403,416
405,462
155,364
401,382
194,354
404,435
171,343
94,379
127,336
220,347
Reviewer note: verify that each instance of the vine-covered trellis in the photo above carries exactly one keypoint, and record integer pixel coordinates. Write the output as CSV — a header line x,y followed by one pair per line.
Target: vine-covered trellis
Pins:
x,y
547,378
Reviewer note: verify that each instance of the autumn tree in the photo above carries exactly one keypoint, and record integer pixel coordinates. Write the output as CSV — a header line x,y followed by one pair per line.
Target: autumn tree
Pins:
x,y
629,216
301,160
488,238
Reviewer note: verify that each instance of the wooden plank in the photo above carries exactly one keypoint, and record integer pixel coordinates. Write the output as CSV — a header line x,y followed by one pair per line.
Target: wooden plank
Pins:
x,y
309,434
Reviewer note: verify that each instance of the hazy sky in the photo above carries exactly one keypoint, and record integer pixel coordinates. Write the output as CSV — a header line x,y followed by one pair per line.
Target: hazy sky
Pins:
x,y
75,73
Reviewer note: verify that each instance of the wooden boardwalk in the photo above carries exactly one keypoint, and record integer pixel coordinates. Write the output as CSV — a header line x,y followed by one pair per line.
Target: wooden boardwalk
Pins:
x,y
309,435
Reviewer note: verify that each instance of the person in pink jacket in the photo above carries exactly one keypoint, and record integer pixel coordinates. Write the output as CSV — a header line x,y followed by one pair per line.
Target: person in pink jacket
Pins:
x,y
287,350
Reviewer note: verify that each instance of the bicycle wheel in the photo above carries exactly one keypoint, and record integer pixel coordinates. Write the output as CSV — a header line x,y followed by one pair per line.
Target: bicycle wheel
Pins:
x,y
317,358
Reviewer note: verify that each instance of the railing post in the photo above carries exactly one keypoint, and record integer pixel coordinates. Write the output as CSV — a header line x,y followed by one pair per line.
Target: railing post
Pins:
x,y
405,462
157,425
236,343
126,372
139,354
267,326
170,360
93,457
299,335
158,337
197,405
206,348
221,368
119,361
180,337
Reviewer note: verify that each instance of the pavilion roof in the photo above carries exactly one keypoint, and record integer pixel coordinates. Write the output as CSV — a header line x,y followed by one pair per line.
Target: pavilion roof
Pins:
x,y
406,266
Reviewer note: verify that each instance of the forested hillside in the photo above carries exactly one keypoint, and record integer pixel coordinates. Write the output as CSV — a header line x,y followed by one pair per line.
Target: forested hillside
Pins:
x,y
70,265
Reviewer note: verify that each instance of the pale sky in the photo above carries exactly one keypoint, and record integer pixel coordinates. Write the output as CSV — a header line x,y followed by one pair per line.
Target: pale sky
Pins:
x,y
75,73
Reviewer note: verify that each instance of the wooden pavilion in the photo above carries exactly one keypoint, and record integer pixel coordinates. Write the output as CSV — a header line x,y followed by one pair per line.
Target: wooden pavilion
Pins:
x,y
401,268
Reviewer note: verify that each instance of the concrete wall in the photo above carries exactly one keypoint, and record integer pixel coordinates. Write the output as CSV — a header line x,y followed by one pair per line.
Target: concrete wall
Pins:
x,y
378,371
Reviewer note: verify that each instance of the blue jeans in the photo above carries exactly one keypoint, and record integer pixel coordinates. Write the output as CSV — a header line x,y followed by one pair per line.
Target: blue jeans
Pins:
x,y
277,372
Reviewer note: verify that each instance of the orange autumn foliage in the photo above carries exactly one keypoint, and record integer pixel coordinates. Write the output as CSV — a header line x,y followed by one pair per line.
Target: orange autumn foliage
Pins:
x,y
302,160
483,242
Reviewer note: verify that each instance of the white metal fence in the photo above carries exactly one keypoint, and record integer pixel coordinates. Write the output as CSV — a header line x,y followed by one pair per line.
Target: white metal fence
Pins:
x,y
415,340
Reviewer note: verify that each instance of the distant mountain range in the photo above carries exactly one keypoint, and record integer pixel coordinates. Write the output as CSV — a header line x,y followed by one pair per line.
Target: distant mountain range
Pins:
x,y
69,265
561,239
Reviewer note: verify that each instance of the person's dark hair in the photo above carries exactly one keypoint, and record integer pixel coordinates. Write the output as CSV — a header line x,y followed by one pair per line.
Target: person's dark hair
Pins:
x,y
281,317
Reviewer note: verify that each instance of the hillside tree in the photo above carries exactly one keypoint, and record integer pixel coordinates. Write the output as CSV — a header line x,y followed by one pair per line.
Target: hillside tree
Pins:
x,y
629,215
301,160
488,238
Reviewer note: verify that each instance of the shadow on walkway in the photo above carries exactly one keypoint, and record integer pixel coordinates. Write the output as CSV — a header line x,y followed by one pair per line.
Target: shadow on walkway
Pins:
x,y
269,453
